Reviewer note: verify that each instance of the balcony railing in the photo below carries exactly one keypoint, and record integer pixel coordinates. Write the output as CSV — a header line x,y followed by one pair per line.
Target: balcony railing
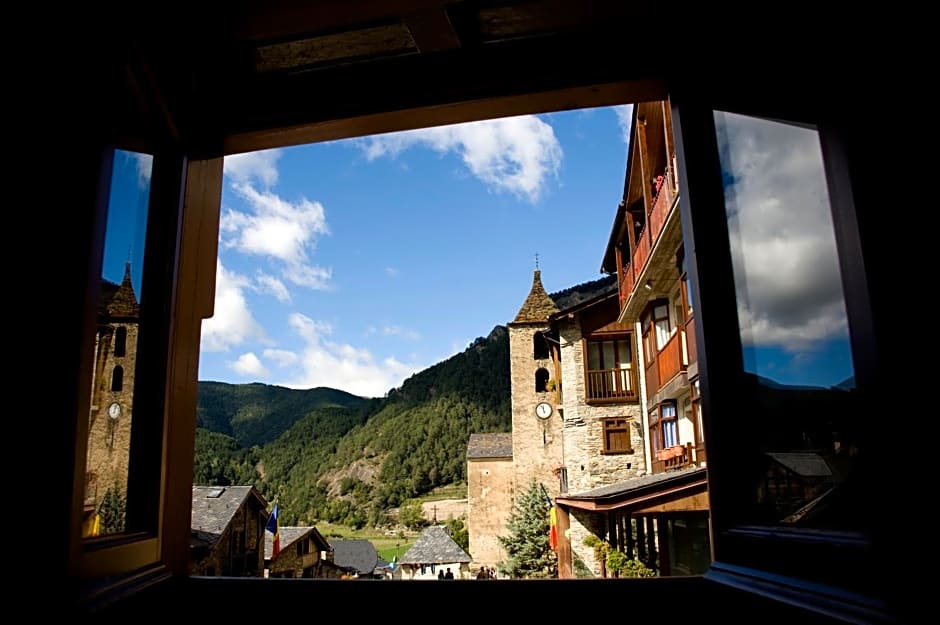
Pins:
x,y
655,220
674,458
611,385
672,357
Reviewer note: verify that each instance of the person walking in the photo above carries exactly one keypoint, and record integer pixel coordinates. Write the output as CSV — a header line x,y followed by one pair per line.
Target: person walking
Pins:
x,y
449,574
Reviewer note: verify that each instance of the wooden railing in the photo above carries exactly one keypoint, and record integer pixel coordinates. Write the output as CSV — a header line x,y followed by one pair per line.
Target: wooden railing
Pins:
x,y
662,204
670,358
611,384
626,283
655,219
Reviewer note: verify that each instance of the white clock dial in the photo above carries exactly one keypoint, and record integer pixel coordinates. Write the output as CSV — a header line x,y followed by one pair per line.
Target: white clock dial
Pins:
x,y
114,410
543,410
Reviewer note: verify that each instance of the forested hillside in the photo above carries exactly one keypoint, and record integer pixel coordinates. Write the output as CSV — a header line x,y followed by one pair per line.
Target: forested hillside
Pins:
x,y
330,456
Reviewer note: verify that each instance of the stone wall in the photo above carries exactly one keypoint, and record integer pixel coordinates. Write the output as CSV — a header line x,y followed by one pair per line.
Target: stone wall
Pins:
x,y
109,439
489,504
587,466
536,443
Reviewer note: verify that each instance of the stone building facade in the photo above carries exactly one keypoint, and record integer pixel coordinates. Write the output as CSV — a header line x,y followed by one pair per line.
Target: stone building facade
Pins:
x,y
227,535
537,442
560,431
588,461
489,495
112,401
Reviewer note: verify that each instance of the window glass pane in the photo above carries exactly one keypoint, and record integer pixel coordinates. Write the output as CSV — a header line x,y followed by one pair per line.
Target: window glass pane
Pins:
x,y
112,401
791,307
792,321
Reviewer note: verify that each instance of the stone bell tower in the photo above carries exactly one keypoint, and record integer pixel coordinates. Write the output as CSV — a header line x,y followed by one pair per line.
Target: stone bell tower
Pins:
x,y
536,424
112,400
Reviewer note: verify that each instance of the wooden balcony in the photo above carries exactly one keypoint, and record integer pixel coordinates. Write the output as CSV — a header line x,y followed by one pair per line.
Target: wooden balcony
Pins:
x,y
611,385
672,358
674,458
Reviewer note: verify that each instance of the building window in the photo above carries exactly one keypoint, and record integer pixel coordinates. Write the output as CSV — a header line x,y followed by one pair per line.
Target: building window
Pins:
x,y
617,436
117,379
670,424
611,373
541,380
120,342
539,346
664,427
662,324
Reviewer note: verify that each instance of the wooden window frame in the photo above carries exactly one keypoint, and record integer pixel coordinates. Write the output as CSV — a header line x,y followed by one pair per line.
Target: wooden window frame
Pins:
x,y
612,424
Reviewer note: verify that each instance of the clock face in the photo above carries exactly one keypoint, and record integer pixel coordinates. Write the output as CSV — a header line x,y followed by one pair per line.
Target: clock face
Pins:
x,y
543,410
114,410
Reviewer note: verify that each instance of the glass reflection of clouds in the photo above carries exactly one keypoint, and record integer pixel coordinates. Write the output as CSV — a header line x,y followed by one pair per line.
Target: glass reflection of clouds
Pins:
x,y
791,307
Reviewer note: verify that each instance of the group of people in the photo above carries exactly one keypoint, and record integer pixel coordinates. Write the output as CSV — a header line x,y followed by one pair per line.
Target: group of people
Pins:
x,y
486,573
448,575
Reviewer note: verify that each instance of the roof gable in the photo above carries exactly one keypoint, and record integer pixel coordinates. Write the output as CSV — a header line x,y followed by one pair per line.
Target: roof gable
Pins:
x,y
435,546
213,508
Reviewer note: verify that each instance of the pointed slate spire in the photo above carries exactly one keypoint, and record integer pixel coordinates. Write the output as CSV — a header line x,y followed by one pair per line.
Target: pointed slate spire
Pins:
x,y
124,303
538,305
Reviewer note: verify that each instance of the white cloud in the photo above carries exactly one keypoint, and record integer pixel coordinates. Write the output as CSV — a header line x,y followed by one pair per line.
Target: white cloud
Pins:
x,y
281,357
267,283
789,284
400,331
624,120
232,323
252,167
514,154
340,365
248,365
391,272
280,230
144,168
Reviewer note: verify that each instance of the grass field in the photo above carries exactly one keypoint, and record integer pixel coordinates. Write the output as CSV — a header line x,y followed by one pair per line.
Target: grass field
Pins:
x,y
388,546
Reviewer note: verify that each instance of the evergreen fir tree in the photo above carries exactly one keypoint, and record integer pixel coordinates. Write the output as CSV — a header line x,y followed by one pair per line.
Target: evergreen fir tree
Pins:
x,y
112,509
530,555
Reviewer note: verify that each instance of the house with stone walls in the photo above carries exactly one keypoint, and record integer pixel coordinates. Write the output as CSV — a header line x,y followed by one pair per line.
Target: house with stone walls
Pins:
x,y
432,553
227,536
581,428
642,365
304,552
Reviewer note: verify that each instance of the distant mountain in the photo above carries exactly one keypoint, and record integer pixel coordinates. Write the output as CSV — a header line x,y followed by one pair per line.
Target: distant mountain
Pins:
x,y
255,414
331,456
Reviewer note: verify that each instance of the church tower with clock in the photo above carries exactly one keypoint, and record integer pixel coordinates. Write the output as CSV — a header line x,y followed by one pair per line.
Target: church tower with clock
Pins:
x,y
537,445
109,423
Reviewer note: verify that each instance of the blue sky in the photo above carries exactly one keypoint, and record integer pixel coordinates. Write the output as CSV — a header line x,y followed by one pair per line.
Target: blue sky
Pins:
x,y
354,264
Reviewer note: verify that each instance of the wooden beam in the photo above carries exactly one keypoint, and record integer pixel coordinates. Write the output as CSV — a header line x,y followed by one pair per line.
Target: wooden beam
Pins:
x,y
431,30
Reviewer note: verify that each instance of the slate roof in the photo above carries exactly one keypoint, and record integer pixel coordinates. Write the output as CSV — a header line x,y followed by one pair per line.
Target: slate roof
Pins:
x,y
491,445
538,306
806,464
641,482
213,508
121,303
356,553
289,535
434,546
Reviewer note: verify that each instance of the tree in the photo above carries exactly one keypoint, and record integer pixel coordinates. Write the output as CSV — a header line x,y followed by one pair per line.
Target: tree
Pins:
x,y
458,531
411,514
112,509
530,554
